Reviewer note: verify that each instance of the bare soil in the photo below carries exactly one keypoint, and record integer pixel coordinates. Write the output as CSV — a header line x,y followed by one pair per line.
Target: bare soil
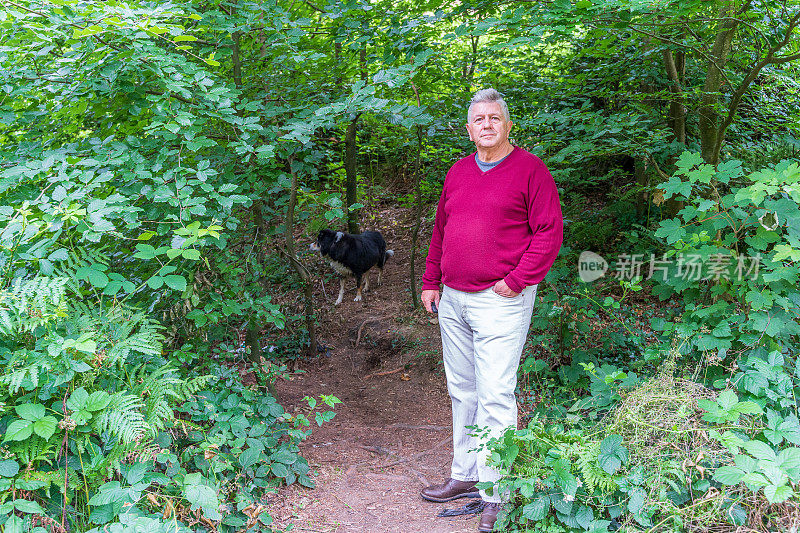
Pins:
x,y
392,433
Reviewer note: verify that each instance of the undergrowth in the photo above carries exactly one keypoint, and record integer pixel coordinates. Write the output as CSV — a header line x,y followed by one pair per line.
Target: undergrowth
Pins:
x,y
649,464
711,444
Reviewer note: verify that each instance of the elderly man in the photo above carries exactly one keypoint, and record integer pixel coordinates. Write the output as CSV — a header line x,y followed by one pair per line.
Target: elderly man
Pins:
x,y
498,230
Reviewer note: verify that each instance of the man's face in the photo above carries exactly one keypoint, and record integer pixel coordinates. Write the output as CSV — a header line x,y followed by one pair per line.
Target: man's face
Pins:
x,y
488,127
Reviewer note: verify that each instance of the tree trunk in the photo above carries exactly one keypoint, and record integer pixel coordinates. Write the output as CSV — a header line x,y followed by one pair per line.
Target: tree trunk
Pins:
x,y
769,58
237,61
675,67
643,181
253,329
417,210
337,58
709,117
256,357
298,266
362,62
351,184
469,66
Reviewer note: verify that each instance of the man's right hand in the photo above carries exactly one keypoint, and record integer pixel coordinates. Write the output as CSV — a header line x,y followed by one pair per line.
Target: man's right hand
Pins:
x,y
430,297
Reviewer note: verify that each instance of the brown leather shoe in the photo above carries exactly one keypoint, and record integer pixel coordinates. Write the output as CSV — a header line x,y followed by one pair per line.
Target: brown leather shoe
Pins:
x,y
451,489
489,516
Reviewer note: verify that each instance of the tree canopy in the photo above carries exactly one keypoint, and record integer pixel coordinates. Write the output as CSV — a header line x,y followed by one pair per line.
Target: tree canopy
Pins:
x,y
159,161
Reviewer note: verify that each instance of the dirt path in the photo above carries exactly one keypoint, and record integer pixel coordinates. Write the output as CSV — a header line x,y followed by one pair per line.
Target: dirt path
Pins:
x,y
391,435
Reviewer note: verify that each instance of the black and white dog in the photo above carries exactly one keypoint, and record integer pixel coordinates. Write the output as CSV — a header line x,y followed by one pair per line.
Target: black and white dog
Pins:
x,y
353,255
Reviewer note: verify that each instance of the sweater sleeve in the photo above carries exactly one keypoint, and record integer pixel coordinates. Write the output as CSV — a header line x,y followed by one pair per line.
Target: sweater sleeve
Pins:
x,y
432,278
547,231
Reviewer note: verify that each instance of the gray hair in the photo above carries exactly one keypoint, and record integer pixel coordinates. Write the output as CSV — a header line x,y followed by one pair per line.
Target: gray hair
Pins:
x,y
488,95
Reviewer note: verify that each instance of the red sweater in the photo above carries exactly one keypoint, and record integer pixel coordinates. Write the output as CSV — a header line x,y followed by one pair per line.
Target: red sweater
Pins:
x,y
501,224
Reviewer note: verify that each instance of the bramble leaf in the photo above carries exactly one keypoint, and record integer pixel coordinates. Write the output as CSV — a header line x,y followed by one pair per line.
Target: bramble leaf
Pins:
x,y
30,411
612,454
728,475
537,509
19,430
45,427
778,493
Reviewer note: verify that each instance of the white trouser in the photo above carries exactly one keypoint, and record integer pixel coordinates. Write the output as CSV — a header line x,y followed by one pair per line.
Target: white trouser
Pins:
x,y
482,338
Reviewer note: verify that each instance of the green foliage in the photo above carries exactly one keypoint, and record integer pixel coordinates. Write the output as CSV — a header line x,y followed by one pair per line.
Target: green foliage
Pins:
x,y
727,314
231,297
110,203
583,340
751,316
742,228
727,408
144,143
561,474
62,378
237,445
763,468
131,523
429,190
645,465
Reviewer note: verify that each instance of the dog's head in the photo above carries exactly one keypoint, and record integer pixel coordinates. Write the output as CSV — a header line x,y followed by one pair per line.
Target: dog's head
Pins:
x,y
325,241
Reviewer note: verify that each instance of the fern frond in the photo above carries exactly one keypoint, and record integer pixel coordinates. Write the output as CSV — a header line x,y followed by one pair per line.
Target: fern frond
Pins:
x,y
82,318
593,476
121,452
25,364
33,450
54,477
145,342
160,387
79,257
6,322
30,303
123,418
190,387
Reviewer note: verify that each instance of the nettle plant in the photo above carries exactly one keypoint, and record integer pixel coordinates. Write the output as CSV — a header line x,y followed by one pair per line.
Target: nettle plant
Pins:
x,y
732,256
734,249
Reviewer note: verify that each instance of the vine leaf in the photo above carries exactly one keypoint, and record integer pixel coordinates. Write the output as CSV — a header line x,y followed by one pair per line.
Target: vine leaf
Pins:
x,y
612,454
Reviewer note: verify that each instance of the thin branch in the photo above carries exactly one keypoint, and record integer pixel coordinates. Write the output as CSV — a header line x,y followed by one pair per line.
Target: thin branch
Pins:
x,y
170,94
291,257
67,82
784,59
384,373
751,76
312,6
702,53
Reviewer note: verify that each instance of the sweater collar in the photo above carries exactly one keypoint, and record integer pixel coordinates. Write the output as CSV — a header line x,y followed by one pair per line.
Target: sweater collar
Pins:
x,y
500,163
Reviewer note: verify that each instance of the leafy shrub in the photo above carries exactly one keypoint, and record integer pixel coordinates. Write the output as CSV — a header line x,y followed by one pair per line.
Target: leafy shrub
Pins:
x,y
84,389
746,315
430,191
227,296
90,427
745,231
693,458
89,391
645,465
568,353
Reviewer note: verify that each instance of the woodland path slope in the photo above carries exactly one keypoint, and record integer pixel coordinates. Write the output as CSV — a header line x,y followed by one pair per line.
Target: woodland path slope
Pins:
x,y
391,435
